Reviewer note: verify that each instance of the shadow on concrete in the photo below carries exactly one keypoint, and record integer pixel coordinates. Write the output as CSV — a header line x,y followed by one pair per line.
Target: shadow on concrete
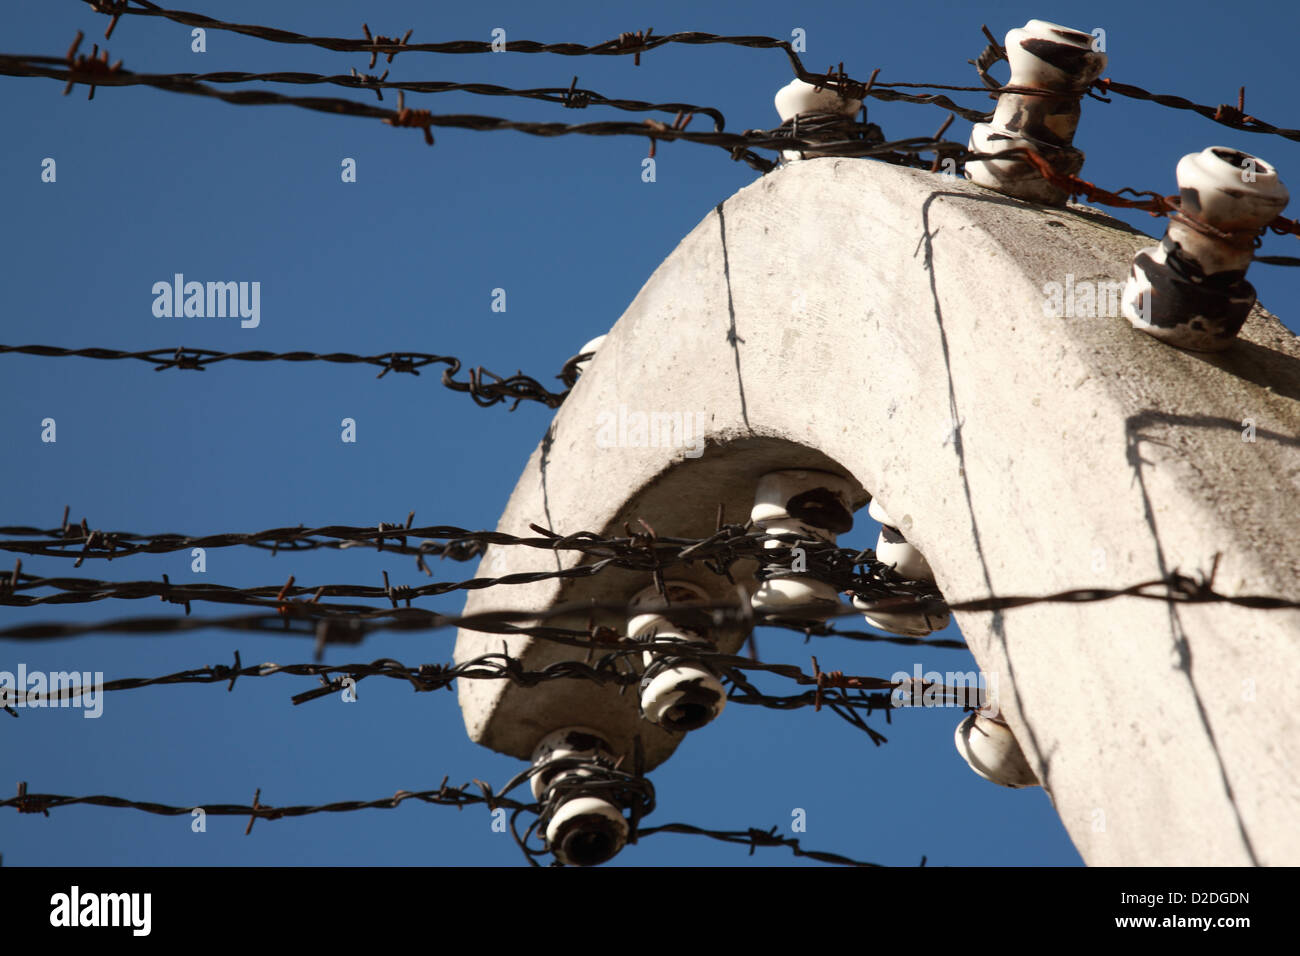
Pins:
x,y
733,338
1259,364
1133,431
997,623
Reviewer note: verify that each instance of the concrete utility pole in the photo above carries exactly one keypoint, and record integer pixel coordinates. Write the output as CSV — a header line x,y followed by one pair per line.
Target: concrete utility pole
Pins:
x,y
888,326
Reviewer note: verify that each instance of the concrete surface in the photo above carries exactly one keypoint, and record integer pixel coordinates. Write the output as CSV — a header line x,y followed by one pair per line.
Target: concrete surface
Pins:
x,y
843,314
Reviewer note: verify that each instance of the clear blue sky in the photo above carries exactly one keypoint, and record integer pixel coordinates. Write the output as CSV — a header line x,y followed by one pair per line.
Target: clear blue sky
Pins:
x,y
152,183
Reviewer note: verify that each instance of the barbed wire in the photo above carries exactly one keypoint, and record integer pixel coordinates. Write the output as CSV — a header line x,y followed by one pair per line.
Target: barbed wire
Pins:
x,y
643,550
637,43
754,839
850,697
1154,203
1234,117
81,590
860,140
340,624
734,543
638,551
84,590
96,73
846,569
643,41
632,44
459,797
484,387
303,618
571,97
876,580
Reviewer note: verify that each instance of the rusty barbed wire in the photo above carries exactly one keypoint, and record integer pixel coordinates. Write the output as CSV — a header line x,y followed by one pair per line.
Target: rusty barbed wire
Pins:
x,y
627,43
636,43
847,569
304,618
459,797
84,590
1234,117
92,65
850,697
720,552
1148,201
571,96
741,146
863,140
463,545
484,387
80,590
637,551
25,802
643,41
753,839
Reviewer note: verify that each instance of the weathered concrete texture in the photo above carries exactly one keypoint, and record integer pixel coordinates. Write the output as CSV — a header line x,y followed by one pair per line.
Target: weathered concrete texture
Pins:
x,y
871,307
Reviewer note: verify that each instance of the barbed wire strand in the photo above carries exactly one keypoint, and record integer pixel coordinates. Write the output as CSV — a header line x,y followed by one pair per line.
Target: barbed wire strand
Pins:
x,y
629,43
484,387
84,590
458,797
644,551
639,42
96,73
292,619
615,667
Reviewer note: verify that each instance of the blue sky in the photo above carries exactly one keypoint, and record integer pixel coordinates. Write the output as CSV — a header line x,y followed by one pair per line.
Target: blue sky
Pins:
x,y
151,183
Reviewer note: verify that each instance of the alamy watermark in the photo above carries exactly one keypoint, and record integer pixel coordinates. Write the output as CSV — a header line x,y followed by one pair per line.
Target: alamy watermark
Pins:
x,y
1087,299
213,300
633,429
53,689
130,910
965,689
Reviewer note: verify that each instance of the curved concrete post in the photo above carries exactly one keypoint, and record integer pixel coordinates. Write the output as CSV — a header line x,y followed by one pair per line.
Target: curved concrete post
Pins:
x,y
888,324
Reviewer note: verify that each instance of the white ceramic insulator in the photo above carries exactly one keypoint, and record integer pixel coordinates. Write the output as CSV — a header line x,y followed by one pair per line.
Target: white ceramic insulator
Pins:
x,y
991,750
1048,56
591,346
662,700
903,558
1231,192
798,97
586,831
1062,63
779,594
1235,190
678,592
580,742
777,489
906,623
